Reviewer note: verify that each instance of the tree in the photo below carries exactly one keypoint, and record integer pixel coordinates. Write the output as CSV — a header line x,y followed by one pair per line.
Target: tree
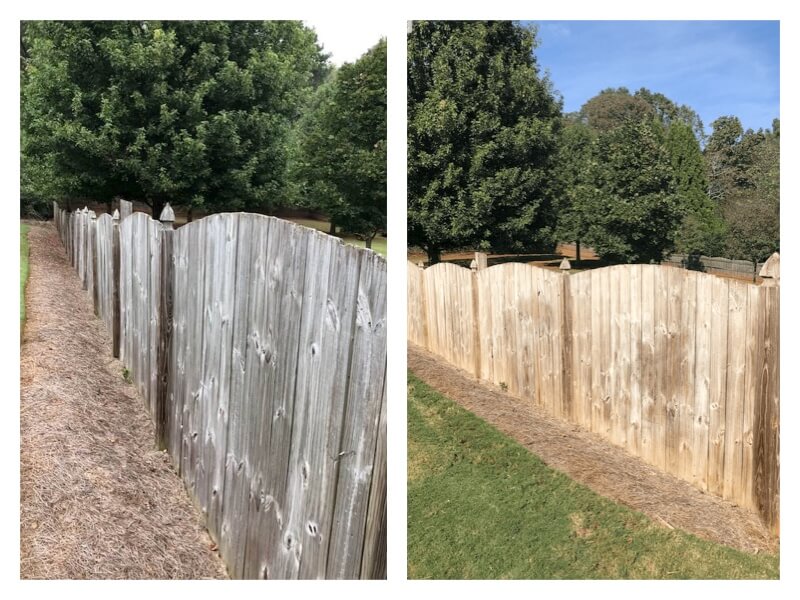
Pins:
x,y
744,178
702,230
612,108
192,112
482,137
752,210
636,210
574,174
340,147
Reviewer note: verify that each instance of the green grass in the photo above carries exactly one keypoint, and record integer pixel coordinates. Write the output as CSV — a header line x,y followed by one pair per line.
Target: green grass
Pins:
x,y
378,244
23,270
481,506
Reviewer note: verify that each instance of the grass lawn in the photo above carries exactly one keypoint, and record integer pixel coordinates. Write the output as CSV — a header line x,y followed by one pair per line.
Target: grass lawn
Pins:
x,y
378,244
481,506
23,270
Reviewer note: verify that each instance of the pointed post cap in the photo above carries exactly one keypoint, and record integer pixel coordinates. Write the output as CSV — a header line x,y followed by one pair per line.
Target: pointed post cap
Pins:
x,y
167,215
565,266
771,270
115,216
85,209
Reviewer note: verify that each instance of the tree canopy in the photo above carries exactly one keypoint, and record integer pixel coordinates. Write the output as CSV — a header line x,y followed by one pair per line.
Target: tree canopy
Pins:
x,y
192,112
482,137
339,147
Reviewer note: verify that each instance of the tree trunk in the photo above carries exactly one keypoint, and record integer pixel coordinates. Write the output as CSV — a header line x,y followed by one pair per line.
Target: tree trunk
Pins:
x,y
110,205
577,251
332,230
434,256
189,215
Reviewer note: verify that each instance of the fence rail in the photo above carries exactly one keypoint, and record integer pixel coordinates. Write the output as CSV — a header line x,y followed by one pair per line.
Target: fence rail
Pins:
x,y
259,348
678,367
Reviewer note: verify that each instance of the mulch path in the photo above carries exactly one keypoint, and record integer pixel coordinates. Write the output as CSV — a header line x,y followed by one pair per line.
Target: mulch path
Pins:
x,y
589,459
98,501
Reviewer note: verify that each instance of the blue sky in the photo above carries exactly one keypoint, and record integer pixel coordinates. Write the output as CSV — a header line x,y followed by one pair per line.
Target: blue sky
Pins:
x,y
716,67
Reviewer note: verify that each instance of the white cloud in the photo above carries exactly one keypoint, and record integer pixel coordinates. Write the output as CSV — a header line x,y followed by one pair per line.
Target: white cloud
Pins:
x,y
348,39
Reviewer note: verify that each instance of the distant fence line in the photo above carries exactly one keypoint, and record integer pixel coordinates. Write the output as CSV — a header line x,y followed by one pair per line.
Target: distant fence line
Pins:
x,y
259,348
678,367
715,264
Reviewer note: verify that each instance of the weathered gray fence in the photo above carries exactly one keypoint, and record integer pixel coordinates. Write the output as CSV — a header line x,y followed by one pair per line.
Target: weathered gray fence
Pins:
x,y
260,349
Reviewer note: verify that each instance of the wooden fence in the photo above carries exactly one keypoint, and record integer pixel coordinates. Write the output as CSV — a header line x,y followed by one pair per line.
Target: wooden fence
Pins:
x,y
678,367
259,348
744,269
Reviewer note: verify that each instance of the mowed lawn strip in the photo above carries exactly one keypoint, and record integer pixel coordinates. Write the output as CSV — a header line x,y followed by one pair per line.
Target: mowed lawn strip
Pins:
x,y
481,506
23,269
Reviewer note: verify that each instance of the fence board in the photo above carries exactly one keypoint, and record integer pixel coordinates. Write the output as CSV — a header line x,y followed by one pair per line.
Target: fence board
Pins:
x,y
686,383
718,385
737,332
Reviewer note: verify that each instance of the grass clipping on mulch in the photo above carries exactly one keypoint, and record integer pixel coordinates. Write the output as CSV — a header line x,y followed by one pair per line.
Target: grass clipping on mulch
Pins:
x,y
593,461
98,501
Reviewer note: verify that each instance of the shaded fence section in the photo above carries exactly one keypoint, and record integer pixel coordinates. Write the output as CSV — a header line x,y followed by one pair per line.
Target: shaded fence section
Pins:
x,y
260,349
678,367
715,264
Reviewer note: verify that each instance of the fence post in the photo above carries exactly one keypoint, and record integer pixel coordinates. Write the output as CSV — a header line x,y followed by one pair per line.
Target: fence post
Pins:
x,y
481,260
165,310
115,309
93,259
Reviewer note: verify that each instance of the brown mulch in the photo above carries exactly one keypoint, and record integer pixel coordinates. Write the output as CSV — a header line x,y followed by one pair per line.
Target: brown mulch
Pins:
x,y
589,459
97,500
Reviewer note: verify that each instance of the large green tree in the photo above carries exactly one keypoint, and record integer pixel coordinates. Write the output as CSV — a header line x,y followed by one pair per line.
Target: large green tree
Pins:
x,y
702,230
575,174
192,112
482,138
636,209
339,147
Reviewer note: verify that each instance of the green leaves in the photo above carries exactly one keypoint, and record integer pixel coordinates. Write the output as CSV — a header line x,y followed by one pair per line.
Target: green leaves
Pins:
x,y
481,136
194,112
339,147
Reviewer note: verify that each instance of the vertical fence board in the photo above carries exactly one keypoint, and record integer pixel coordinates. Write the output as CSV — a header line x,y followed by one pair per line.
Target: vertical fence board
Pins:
x,y
718,385
650,363
634,372
686,384
735,388
702,383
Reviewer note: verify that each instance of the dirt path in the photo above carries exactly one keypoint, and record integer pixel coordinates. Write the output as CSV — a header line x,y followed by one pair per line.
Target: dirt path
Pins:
x,y
97,500
590,460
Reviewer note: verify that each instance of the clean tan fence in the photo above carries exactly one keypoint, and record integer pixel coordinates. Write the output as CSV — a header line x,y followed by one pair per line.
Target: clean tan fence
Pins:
x,y
678,367
259,347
